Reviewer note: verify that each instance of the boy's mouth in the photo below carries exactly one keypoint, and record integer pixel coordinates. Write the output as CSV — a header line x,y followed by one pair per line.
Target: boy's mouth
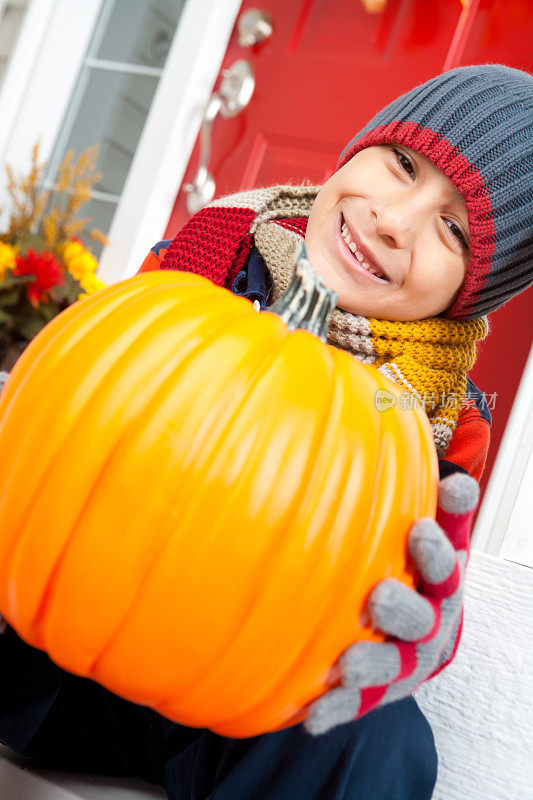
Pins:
x,y
357,255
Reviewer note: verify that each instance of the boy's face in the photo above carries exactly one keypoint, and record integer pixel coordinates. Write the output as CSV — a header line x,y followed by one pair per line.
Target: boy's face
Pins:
x,y
404,217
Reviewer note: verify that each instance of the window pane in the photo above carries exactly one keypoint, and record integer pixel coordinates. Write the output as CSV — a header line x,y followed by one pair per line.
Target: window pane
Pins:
x,y
111,112
137,32
108,109
109,106
101,213
11,18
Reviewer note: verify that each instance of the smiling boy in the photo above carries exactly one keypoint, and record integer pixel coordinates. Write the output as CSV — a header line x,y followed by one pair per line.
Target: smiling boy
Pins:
x,y
423,229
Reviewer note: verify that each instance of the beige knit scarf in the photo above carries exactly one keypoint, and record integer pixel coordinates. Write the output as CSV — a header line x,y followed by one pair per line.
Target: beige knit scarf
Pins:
x,y
428,358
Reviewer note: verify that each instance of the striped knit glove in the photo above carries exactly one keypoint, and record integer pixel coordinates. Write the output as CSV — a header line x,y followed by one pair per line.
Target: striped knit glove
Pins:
x,y
423,627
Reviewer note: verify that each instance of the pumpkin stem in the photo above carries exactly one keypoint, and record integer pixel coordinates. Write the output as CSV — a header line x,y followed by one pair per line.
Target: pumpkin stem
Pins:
x,y
307,303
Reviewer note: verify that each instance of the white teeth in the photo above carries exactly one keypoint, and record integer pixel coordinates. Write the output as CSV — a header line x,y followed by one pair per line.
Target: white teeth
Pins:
x,y
372,270
359,256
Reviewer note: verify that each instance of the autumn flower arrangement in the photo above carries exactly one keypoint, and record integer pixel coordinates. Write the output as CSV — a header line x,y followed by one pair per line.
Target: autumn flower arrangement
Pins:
x,y
44,265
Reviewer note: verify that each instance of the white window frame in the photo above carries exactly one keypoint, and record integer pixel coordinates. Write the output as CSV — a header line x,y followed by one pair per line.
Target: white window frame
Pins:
x,y
51,44
30,111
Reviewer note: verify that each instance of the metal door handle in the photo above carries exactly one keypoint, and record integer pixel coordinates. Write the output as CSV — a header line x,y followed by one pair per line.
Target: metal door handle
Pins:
x,y
255,26
235,92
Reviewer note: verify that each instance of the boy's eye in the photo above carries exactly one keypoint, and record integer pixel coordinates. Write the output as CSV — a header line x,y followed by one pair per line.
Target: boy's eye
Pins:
x,y
407,165
457,232
405,162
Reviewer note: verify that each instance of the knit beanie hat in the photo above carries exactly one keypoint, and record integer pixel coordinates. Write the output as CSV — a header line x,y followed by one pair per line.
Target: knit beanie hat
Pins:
x,y
475,124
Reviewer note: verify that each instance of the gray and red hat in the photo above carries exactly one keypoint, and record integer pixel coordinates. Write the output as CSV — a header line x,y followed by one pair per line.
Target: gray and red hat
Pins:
x,y
475,124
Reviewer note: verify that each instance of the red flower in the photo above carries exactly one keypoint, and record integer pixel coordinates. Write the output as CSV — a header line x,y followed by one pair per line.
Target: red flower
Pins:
x,y
47,271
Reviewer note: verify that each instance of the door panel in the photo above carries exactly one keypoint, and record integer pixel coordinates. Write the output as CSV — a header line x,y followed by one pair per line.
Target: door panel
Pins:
x,y
272,155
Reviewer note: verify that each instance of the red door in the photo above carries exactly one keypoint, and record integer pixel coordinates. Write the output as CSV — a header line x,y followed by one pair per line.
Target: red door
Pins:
x,y
328,67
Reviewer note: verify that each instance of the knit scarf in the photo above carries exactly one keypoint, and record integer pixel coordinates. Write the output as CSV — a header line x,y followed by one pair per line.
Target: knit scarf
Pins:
x,y
429,358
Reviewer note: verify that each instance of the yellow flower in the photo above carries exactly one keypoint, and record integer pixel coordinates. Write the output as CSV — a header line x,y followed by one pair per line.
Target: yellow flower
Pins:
x,y
71,250
79,261
91,284
7,259
82,267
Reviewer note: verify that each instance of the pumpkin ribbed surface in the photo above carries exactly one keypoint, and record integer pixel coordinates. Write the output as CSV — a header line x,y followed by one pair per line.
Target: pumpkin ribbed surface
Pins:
x,y
196,501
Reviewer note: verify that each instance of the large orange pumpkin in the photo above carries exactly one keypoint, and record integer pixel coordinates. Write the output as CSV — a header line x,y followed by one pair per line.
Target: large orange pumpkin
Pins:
x,y
196,501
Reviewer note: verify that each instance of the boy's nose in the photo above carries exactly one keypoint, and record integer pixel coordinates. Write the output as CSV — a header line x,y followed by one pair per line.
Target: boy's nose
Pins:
x,y
400,216
395,222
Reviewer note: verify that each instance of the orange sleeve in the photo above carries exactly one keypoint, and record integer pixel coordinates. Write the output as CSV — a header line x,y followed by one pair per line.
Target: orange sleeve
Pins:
x,y
152,261
470,442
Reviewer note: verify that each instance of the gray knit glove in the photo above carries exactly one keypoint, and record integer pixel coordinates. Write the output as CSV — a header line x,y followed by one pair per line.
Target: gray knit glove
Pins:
x,y
423,627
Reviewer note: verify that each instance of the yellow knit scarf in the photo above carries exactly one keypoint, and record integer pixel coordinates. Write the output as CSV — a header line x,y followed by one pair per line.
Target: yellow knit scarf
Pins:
x,y
428,358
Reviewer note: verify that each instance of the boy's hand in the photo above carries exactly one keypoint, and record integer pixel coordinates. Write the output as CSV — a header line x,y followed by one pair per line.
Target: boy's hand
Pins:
x,y
423,626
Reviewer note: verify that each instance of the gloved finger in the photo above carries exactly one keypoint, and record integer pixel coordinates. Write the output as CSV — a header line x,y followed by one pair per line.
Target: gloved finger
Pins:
x,y
458,493
431,551
370,664
400,611
3,379
336,707
458,497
